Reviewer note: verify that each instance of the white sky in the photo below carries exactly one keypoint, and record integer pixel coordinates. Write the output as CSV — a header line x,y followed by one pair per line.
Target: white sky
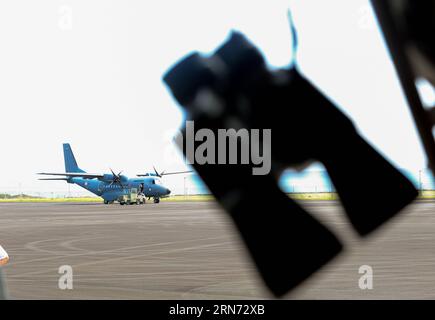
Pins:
x,y
89,73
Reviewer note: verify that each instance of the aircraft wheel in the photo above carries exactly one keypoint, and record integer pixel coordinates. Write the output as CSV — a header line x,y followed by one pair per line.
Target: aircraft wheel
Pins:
x,y
106,202
156,200
122,203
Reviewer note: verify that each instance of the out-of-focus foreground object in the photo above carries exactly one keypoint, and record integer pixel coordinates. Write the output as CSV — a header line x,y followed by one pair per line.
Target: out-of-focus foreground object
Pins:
x,y
4,258
409,29
234,89
3,294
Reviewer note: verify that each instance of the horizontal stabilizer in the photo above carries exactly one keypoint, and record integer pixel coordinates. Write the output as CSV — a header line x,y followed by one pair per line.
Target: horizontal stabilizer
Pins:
x,y
74,174
61,179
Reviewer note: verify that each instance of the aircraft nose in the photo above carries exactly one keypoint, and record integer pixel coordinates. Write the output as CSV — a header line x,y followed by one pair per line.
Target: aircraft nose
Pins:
x,y
168,191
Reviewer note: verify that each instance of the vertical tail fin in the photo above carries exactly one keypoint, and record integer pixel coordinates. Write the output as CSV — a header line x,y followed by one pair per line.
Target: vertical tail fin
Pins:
x,y
70,160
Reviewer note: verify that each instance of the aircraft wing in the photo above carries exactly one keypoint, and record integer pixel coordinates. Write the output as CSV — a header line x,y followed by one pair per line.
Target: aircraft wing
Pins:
x,y
162,174
176,172
74,174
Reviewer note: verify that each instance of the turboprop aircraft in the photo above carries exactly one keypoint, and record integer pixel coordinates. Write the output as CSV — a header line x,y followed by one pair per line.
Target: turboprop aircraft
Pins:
x,y
111,186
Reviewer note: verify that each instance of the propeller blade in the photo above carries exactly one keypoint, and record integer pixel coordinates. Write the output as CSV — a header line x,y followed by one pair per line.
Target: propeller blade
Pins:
x,y
116,178
157,174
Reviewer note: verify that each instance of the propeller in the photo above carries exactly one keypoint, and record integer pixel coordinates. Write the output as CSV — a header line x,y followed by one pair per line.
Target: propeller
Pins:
x,y
116,178
158,174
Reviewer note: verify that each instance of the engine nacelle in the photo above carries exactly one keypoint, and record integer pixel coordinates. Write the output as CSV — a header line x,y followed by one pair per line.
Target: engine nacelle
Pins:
x,y
108,177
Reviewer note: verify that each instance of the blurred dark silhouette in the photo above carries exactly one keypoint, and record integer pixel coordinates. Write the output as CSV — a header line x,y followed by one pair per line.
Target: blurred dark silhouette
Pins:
x,y
233,88
409,27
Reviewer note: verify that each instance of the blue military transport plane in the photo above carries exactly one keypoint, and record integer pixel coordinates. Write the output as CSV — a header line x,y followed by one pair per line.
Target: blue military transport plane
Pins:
x,y
111,186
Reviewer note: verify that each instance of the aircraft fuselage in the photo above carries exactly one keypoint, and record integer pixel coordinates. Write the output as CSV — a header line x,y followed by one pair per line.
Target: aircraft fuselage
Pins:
x,y
152,187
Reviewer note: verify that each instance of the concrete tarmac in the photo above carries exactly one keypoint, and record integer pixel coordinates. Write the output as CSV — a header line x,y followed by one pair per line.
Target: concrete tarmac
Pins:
x,y
189,250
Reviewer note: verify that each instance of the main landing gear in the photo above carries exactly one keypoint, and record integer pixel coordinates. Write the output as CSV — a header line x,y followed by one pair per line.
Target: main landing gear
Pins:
x,y
155,199
139,200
